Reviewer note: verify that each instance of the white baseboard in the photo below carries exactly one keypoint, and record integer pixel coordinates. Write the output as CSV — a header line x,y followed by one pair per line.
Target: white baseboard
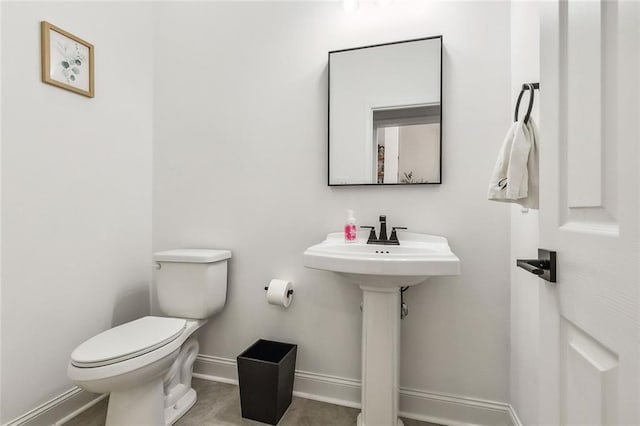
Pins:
x,y
415,404
59,409
451,410
514,420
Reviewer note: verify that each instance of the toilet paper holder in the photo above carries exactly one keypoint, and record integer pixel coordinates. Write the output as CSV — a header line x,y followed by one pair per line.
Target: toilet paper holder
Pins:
x,y
289,293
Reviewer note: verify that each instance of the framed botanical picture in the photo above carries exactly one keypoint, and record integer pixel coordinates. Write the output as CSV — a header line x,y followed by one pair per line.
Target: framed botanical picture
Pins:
x,y
67,60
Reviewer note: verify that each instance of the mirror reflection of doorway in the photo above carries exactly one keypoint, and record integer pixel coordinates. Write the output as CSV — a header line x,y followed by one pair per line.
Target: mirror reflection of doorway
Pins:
x,y
407,144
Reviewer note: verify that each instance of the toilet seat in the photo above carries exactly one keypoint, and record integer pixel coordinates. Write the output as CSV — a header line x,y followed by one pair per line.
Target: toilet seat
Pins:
x,y
128,341
129,366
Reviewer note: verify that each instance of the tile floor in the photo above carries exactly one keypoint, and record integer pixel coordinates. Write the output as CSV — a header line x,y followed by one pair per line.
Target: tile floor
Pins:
x,y
219,404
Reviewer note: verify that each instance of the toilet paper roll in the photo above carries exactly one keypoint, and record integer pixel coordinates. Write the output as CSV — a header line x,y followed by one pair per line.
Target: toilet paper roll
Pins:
x,y
278,292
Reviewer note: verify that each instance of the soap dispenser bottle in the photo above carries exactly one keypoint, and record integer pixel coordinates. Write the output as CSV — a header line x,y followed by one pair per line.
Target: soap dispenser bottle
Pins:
x,y
350,228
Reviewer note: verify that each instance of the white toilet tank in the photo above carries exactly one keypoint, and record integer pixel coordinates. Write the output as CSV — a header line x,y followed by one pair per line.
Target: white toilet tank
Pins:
x,y
191,283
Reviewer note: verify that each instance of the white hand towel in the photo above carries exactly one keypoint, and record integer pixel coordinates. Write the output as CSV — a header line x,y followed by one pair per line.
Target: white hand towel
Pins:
x,y
515,176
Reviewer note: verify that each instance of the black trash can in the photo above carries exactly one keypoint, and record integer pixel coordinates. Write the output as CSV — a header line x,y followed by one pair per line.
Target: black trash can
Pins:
x,y
265,374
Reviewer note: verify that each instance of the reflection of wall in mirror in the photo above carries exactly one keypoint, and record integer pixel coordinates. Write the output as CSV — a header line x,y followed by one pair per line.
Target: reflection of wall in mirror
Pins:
x,y
419,153
391,143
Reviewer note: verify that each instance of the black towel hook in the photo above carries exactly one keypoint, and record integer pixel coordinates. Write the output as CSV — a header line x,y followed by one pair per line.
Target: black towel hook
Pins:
x,y
531,87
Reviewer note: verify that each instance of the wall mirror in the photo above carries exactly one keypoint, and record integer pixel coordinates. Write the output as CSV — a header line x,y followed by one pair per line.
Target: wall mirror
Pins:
x,y
385,114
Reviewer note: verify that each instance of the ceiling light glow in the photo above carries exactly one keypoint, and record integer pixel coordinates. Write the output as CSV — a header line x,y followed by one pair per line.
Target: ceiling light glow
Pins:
x,y
350,6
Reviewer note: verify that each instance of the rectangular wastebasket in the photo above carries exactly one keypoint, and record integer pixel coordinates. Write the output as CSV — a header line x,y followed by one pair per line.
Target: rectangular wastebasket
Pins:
x,y
265,374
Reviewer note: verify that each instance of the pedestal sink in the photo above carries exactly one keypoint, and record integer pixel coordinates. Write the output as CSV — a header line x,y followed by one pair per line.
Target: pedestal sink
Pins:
x,y
380,271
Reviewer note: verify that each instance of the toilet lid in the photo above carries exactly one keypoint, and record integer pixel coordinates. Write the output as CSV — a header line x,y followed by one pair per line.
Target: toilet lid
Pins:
x,y
127,341
192,255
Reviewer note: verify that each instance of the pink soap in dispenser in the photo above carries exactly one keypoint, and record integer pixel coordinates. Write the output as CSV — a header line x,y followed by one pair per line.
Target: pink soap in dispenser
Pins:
x,y
350,228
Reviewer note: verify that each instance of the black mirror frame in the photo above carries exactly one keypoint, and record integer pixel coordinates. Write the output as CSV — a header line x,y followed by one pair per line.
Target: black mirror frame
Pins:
x,y
329,113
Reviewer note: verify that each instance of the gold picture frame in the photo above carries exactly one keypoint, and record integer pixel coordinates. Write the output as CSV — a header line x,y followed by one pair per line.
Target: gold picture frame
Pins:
x,y
67,60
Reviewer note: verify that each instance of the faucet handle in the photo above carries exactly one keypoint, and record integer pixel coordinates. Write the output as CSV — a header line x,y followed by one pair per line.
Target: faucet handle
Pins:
x,y
394,234
372,233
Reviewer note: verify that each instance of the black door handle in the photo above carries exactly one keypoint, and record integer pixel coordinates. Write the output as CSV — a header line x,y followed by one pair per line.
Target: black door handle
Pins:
x,y
533,265
544,266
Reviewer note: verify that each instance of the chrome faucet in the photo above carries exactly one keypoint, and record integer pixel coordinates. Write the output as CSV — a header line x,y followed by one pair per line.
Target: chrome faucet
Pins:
x,y
382,239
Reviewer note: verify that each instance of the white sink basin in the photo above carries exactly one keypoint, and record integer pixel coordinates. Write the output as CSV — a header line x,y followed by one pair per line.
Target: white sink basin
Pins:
x,y
418,257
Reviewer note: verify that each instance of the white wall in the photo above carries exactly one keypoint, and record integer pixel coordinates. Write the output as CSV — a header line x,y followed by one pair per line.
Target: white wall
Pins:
x,y
525,67
76,193
1,8
229,75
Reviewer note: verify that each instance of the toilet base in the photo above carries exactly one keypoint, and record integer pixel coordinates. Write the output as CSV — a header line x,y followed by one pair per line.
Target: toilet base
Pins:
x,y
140,406
179,396
161,401
173,413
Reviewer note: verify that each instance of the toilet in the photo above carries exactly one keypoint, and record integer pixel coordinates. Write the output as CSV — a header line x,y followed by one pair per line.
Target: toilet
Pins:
x,y
146,365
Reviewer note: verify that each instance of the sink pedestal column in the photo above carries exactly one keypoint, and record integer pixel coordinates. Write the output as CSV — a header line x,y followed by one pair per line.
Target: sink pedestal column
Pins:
x,y
380,356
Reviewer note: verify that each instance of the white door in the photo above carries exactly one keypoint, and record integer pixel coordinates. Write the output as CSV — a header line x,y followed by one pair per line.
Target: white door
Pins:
x,y
589,156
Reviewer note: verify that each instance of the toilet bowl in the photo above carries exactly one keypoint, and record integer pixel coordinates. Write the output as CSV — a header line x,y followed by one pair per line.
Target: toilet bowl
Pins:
x,y
138,372
146,365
